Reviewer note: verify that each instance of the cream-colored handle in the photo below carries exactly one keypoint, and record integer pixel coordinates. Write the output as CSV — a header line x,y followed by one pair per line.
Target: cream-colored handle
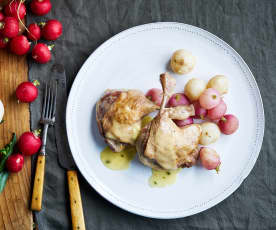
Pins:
x,y
38,184
75,201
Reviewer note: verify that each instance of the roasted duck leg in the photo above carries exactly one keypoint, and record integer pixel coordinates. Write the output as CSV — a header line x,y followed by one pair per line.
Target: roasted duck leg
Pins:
x,y
119,116
162,144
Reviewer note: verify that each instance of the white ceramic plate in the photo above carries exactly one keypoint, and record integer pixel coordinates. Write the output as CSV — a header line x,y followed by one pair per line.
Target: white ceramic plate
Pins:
x,y
134,59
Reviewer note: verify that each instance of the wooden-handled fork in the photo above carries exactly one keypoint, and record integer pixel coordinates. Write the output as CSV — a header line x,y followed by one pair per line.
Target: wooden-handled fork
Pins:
x,y
47,118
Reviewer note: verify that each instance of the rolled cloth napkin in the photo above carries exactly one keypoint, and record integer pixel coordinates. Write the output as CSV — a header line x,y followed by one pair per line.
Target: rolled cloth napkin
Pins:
x,y
249,26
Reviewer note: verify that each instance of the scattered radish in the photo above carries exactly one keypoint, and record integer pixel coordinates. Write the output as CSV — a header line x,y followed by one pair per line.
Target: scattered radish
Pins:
x,y
41,53
3,42
217,112
41,7
182,123
15,163
34,32
228,124
15,6
199,111
2,16
209,99
178,99
20,45
27,91
155,95
29,143
209,158
9,27
51,30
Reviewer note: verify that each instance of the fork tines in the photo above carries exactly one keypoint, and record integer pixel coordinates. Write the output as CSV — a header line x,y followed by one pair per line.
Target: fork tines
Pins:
x,y
49,104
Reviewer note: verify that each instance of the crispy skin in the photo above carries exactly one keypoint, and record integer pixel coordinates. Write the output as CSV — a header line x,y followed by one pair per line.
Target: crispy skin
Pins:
x,y
119,115
102,106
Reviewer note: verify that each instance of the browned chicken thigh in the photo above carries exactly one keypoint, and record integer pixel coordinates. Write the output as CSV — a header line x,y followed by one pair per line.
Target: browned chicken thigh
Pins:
x,y
162,144
119,116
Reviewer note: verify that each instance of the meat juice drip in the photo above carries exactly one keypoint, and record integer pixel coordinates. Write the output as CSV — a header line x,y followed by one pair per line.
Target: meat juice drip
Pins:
x,y
146,120
162,178
121,160
118,161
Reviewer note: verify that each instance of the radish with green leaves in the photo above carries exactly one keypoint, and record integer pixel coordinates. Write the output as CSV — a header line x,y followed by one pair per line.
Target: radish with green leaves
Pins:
x,y
27,91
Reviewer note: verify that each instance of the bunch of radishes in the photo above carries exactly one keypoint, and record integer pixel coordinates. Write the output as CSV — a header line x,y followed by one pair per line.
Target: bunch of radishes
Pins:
x,y
10,35
209,107
28,144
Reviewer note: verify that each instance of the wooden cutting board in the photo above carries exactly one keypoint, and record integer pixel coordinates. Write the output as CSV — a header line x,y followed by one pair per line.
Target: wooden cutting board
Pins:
x,y
14,200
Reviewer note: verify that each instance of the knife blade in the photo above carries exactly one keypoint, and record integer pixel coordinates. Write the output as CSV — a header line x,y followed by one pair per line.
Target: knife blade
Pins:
x,y
65,157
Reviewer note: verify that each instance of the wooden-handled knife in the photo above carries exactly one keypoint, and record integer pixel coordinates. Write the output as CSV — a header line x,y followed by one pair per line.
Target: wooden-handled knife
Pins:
x,y
65,158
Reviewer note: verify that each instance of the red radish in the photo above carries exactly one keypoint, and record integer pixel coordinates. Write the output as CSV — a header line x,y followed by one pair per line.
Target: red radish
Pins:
x,y
27,91
217,112
228,124
199,111
182,123
15,163
34,32
209,99
9,27
41,7
3,42
29,143
14,6
155,95
178,99
2,16
41,53
20,45
51,30
209,158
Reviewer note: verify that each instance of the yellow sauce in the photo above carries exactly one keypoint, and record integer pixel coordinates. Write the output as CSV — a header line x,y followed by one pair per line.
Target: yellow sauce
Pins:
x,y
117,161
146,120
162,178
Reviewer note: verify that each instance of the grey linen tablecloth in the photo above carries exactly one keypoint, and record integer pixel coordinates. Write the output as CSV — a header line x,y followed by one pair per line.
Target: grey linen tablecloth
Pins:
x,y
249,26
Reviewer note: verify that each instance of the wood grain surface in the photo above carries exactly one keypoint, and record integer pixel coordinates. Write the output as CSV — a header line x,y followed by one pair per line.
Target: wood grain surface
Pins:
x,y
14,200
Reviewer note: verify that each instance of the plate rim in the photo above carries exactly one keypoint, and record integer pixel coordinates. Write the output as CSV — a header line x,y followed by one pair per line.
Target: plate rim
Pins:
x,y
197,208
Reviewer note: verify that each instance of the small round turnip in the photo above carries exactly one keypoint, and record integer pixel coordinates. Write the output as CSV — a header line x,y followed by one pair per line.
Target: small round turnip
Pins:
x,y
200,112
210,133
220,83
178,99
155,95
182,61
209,99
228,124
182,123
209,158
194,88
217,112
